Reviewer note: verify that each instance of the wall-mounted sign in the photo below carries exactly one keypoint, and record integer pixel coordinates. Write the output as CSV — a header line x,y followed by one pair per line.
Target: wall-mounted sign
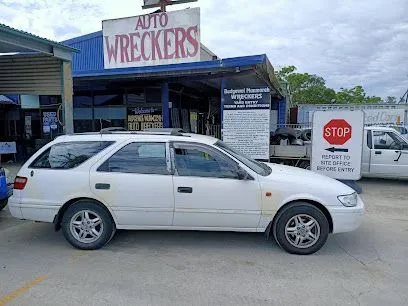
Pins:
x,y
153,39
8,148
140,118
337,143
246,120
50,121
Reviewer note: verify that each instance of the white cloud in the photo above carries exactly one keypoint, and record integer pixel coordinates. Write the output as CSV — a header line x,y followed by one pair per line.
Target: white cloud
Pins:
x,y
347,42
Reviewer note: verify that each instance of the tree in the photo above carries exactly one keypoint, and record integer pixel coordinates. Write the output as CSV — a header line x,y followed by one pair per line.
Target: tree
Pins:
x,y
391,100
311,89
306,88
355,95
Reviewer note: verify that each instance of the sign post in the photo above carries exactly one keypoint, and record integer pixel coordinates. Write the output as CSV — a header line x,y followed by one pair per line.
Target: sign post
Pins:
x,y
337,144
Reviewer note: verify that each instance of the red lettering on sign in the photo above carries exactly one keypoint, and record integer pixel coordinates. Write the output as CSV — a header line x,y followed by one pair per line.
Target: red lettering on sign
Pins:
x,y
143,51
337,132
133,47
192,34
167,43
180,34
111,50
156,45
124,45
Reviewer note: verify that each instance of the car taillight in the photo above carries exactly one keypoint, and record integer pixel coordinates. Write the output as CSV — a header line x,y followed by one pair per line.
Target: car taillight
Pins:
x,y
20,182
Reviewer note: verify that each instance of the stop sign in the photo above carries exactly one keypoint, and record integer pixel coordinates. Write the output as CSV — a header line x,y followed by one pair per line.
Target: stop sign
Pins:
x,y
337,132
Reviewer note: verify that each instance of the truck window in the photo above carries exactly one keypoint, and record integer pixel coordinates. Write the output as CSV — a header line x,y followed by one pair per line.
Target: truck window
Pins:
x,y
387,141
369,139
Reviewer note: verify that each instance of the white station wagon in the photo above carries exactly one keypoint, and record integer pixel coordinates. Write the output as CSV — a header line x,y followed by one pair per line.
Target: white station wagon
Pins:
x,y
89,185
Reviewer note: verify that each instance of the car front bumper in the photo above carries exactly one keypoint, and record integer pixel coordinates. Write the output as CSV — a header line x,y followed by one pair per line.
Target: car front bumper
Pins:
x,y
347,219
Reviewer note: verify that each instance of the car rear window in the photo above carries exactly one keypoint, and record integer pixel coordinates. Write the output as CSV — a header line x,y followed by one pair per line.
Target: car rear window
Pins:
x,y
68,155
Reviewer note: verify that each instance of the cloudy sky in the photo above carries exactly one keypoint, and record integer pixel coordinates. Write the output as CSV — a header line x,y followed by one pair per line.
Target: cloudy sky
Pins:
x,y
348,42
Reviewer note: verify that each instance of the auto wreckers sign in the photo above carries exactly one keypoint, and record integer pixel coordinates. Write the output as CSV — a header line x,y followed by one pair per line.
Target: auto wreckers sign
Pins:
x,y
153,39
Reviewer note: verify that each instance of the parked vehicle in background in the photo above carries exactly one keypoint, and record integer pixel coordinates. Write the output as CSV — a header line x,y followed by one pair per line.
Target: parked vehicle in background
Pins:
x,y
375,114
5,189
176,181
385,153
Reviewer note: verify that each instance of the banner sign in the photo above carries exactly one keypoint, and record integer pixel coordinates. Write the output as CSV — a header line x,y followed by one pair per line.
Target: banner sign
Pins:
x,y
140,118
153,39
246,120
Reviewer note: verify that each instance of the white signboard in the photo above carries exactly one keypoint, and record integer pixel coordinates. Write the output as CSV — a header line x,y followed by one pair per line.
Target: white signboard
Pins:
x,y
246,121
337,143
153,39
380,116
8,148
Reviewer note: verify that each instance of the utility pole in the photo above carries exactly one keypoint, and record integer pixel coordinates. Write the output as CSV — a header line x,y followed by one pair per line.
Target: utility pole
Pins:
x,y
163,3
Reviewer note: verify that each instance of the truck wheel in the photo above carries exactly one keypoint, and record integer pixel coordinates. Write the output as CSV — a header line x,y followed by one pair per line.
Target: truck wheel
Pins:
x,y
301,228
3,203
87,226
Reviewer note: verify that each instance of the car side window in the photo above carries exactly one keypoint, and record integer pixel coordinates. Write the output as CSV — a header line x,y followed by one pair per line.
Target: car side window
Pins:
x,y
68,155
138,158
199,161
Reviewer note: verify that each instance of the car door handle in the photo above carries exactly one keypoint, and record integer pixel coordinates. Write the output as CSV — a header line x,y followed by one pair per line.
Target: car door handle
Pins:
x,y
185,190
378,152
102,186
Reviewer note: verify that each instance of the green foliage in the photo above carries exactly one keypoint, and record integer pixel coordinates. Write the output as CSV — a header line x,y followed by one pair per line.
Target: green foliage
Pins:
x,y
390,100
311,89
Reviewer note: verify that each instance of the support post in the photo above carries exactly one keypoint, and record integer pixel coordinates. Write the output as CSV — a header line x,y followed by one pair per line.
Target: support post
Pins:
x,y
66,97
222,107
165,104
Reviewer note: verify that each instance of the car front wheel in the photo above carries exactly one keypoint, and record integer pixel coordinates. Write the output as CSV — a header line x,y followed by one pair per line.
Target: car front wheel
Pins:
x,y
301,228
87,225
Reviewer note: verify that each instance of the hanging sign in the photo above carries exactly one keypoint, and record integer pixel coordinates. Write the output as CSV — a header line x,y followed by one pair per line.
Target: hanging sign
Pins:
x,y
152,39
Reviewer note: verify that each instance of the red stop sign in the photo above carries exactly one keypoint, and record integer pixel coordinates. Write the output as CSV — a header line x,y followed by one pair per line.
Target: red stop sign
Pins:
x,y
337,132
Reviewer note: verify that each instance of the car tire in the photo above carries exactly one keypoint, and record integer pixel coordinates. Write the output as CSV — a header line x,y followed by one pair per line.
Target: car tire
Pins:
x,y
3,203
87,225
301,228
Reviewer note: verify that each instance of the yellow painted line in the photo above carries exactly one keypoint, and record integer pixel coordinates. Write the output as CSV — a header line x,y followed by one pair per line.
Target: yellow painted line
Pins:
x,y
16,293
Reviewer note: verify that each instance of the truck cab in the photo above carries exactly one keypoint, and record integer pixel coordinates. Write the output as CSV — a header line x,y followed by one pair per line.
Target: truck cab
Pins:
x,y
385,153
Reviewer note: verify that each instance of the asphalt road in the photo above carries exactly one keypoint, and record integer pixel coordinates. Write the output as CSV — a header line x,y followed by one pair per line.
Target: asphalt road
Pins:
x,y
365,267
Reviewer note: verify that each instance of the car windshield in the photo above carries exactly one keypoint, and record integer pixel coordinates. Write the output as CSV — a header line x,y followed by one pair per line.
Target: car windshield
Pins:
x,y
259,167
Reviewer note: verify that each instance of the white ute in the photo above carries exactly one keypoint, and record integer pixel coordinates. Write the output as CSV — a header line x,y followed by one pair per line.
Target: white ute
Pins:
x,y
89,185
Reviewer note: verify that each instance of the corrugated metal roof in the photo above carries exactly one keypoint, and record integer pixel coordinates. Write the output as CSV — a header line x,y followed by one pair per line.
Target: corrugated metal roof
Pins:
x,y
28,35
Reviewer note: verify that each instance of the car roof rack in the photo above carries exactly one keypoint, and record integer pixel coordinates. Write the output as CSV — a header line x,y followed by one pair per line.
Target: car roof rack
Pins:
x,y
112,129
151,131
166,131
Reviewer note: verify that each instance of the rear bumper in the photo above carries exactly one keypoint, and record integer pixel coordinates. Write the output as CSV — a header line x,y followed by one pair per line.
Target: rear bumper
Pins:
x,y
347,219
43,213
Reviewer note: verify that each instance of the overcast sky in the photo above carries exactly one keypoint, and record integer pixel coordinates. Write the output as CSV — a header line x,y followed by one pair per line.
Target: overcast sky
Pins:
x,y
348,42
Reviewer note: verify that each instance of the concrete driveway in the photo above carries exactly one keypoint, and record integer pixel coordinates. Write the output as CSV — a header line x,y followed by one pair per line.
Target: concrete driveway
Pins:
x,y
366,267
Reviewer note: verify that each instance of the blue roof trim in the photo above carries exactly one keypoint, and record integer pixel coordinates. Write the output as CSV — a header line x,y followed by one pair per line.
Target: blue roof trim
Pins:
x,y
245,61
82,38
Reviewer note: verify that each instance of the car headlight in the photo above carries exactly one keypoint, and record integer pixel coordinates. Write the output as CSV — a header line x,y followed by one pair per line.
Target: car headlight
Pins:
x,y
349,200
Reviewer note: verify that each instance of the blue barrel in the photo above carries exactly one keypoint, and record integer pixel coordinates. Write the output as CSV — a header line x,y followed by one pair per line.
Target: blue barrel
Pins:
x,y
4,190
